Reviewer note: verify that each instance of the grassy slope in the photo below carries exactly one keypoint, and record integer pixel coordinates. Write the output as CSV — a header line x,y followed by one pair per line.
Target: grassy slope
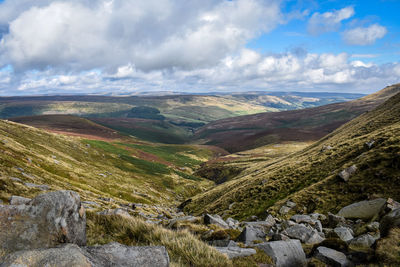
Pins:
x,y
309,177
96,168
247,132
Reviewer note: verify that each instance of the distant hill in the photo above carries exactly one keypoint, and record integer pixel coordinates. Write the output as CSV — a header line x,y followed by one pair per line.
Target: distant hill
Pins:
x,y
310,178
251,131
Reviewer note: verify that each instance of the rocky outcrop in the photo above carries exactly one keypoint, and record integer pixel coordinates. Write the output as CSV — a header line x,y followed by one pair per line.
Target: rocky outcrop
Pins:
x,y
46,221
366,209
285,253
332,257
113,254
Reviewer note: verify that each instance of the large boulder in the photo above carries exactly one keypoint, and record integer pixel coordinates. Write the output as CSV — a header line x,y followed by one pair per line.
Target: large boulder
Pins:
x,y
365,210
285,253
216,220
304,234
390,221
251,234
46,221
64,256
332,257
113,254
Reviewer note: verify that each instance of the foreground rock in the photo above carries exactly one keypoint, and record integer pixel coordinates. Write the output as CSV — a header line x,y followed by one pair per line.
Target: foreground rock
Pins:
x,y
46,221
366,209
285,253
332,257
113,254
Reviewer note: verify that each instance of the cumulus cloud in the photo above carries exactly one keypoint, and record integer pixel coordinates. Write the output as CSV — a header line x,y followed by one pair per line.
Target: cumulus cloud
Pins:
x,y
151,34
364,35
328,21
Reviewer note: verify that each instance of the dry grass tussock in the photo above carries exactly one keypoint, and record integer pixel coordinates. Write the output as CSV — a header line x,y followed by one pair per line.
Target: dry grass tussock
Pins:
x,y
388,249
183,248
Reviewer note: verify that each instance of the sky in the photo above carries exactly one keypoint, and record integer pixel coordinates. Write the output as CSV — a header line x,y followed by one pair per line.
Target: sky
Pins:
x,y
125,47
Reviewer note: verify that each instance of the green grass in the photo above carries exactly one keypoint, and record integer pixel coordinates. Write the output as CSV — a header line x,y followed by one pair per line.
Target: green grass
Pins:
x,y
309,177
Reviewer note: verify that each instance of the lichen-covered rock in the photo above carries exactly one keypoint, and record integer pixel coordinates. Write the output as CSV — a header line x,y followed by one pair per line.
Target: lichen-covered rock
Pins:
x,y
344,233
304,234
285,253
362,243
215,219
48,220
115,254
251,234
64,256
365,210
17,200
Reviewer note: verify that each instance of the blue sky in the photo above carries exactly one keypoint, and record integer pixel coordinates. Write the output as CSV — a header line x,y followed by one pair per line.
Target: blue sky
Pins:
x,y
123,47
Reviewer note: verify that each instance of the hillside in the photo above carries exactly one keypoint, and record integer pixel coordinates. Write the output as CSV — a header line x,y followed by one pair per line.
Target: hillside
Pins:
x,y
124,170
311,124
309,177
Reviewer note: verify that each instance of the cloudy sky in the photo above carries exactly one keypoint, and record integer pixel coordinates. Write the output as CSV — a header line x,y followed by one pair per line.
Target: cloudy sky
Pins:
x,y
123,46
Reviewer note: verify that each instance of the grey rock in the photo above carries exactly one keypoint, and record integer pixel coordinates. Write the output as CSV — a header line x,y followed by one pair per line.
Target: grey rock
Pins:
x,y
299,218
270,220
115,254
223,243
285,253
304,234
287,223
64,256
91,203
17,200
373,227
189,218
365,210
232,223
251,234
280,237
119,212
290,204
235,252
369,144
344,233
317,216
284,210
332,257
392,205
216,220
42,187
46,221
363,242
335,220
347,173
390,221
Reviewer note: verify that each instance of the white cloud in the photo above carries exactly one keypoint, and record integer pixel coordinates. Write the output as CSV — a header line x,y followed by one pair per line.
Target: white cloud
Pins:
x,y
151,34
328,21
364,35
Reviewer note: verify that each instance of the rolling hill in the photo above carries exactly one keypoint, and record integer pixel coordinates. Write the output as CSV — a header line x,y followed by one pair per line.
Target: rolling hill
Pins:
x,y
251,131
371,142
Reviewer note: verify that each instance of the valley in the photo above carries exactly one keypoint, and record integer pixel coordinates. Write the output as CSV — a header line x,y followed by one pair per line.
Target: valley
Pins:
x,y
194,173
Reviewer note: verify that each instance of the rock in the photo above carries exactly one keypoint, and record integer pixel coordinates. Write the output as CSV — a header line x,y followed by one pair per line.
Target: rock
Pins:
x,y
365,210
90,203
298,218
325,148
115,254
232,223
285,253
235,252
317,216
46,221
270,221
42,187
64,256
251,234
223,243
369,144
284,210
347,173
215,219
362,243
304,234
390,221
373,227
344,233
120,212
290,204
392,205
188,218
332,257
16,200
335,220
280,237
287,223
